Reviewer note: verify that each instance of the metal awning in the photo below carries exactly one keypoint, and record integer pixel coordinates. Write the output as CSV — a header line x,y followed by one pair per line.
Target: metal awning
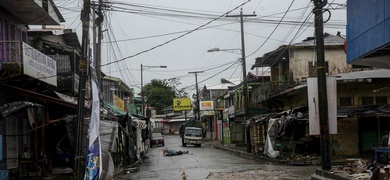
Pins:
x,y
40,97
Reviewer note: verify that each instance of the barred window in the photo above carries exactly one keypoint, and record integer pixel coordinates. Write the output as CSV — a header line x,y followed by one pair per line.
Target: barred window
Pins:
x,y
367,100
346,101
381,100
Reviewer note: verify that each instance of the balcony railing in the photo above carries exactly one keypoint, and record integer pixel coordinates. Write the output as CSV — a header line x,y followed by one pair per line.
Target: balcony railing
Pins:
x,y
241,106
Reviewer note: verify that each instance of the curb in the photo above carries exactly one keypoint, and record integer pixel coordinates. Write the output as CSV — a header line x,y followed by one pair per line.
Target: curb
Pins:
x,y
251,156
318,175
321,175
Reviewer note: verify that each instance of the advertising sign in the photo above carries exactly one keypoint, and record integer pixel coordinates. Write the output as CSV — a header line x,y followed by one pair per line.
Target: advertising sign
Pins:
x,y
93,168
206,105
181,104
314,121
38,65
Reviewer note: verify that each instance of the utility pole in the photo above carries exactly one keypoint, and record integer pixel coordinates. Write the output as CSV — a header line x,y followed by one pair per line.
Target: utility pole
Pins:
x,y
99,47
197,91
245,83
142,94
83,66
321,78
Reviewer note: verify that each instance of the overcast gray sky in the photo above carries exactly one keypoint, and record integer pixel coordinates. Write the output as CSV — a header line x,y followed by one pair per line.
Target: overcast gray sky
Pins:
x,y
178,33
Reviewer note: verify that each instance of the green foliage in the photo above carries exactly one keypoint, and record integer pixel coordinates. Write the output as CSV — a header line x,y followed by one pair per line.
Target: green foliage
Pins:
x,y
160,94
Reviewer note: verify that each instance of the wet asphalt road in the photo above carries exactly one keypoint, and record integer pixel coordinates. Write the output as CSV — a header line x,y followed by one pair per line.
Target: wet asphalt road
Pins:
x,y
208,162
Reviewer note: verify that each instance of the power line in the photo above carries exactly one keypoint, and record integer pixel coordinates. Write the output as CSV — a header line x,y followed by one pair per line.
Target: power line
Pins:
x,y
174,39
273,30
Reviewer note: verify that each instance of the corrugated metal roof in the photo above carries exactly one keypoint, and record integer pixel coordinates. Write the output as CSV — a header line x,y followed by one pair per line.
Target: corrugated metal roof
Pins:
x,y
224,86
368,74
329,40
218,86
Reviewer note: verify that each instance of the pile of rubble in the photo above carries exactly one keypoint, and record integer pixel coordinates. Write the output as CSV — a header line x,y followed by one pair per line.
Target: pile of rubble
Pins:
x,y
297,159
363,169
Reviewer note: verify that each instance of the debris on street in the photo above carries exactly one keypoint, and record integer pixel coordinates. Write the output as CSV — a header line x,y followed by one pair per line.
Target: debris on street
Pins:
x,y
363,169
254,174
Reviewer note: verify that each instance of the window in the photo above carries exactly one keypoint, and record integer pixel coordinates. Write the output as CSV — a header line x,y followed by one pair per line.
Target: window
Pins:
x,y
346,101
381,100
367,100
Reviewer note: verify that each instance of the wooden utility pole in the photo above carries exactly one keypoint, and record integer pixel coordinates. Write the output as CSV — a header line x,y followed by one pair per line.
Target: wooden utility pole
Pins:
x,y
83,67
99,46
245,83
321,78
197,91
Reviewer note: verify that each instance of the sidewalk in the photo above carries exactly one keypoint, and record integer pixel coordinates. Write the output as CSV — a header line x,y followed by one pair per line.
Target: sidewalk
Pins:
x,y
319,174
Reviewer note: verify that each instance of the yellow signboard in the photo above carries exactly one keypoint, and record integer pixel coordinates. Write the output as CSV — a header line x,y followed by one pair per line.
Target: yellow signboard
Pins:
x,y
119,103
181,104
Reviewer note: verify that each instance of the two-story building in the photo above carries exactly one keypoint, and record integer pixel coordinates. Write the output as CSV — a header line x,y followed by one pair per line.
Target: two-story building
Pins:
x,y
26,76
357,87
367,44
39,87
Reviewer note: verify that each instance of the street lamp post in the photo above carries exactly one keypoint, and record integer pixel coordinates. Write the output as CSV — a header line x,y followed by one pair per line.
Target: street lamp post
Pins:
x,y
142,86
244,87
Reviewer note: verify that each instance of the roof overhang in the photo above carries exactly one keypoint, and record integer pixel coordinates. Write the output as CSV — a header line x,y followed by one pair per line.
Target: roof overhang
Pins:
x,y
40,97
35,14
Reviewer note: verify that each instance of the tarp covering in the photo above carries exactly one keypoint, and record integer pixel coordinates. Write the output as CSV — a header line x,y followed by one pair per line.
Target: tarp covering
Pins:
x,y
108,135
113,110
14,107
268,148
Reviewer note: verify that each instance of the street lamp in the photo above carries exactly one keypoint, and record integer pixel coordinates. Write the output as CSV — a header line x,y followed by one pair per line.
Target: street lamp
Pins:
x,y
227,50
244,87
142,86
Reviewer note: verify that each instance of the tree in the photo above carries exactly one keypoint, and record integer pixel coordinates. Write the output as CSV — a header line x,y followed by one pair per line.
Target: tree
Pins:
x,y
159,94
174,83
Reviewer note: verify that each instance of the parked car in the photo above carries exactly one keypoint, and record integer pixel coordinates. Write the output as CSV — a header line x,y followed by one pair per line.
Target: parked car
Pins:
x,y
157,139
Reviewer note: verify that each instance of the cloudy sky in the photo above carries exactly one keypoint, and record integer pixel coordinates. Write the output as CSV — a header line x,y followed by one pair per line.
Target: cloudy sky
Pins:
x,y
178,33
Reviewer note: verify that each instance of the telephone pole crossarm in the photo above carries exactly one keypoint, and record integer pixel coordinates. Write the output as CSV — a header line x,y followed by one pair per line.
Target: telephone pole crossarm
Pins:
x,y
245,83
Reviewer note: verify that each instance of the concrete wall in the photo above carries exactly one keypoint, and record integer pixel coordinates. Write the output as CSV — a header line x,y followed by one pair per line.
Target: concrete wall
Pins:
x,y
346,142
362,89
300,58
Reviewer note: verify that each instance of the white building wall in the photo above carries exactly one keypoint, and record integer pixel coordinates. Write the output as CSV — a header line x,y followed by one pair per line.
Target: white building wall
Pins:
x,y
300,58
